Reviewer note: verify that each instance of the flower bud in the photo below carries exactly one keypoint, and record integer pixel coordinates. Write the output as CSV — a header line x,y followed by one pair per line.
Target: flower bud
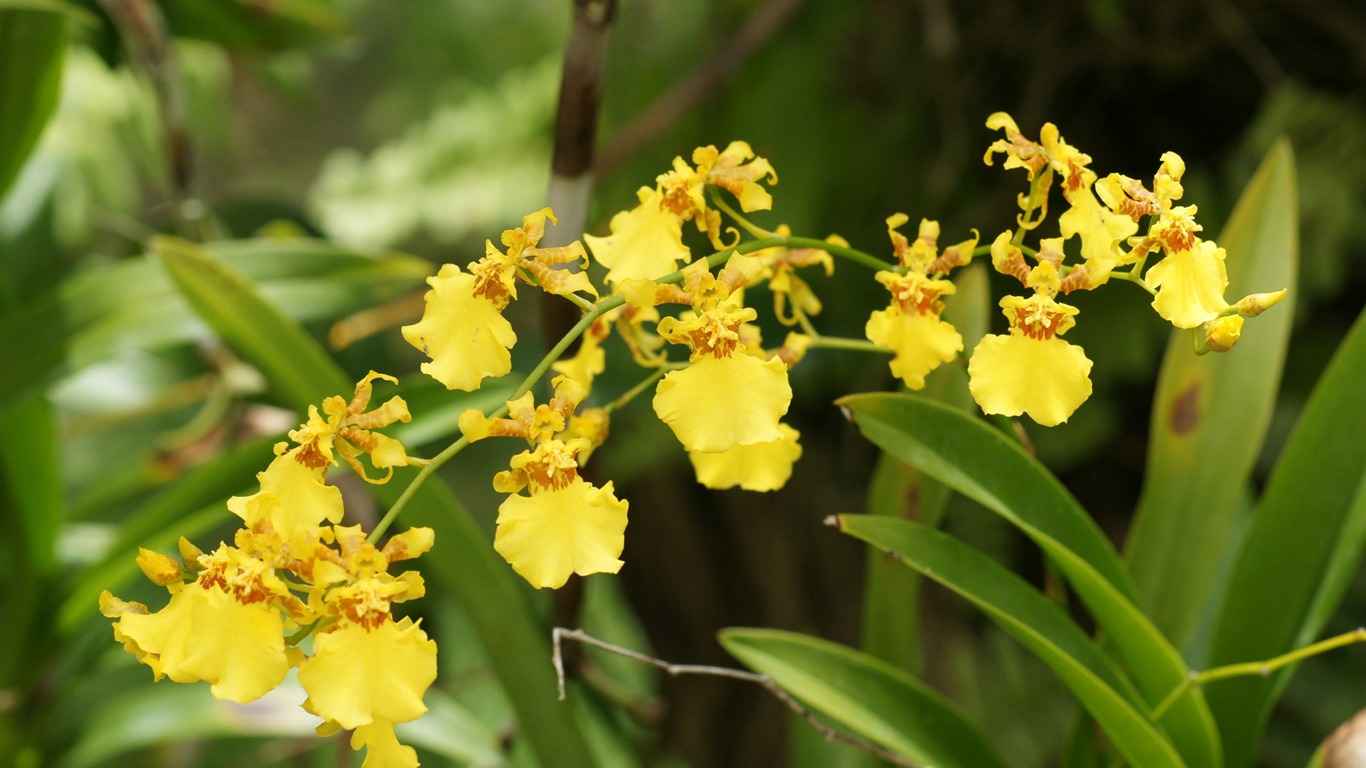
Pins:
x,y
1222,333
1257,303
161,569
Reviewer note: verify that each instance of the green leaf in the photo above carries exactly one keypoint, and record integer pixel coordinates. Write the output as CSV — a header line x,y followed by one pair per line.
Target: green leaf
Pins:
x,y
291,360
32,44
1210,413
986,466
134,305
32,511
1029,617
866,695
1301,549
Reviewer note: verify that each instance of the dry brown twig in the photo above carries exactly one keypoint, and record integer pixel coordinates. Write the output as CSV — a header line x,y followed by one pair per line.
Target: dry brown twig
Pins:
x,y
764,681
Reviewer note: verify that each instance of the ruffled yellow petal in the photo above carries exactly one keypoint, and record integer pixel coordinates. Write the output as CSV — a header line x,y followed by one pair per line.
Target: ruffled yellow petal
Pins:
x,y
717,403
1190,285
758,467
466,336
1045,378
552,533
646,242
204,634
293,497
921,343
357,677
382,748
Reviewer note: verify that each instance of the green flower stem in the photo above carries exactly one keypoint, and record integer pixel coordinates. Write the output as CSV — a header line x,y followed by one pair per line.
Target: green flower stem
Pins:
x,y
634,392
857,345
1133,277
1261,668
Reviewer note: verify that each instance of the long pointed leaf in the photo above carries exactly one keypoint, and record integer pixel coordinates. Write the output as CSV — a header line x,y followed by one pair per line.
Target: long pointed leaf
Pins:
x,y
1303,546
1030,618
1211,413
866,695
984,465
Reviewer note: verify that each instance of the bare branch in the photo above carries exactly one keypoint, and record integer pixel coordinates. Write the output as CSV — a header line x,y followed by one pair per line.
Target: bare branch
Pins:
x,y
764,681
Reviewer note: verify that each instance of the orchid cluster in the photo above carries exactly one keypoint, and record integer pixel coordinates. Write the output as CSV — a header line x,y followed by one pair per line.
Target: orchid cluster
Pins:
x,y
296,589
237,616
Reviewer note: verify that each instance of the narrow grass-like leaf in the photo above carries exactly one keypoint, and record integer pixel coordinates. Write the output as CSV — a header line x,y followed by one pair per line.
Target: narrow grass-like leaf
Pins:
x,y
866,695
1210,413
1030,618
982,464
1301,549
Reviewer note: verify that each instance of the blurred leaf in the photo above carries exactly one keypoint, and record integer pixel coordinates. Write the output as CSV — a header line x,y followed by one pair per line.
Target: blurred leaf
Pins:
x,y
468,169
185,507
866,695
986,466
31,511
1211,413
1030,618
293,363
30,462
133,304
252,24
32,44
1304,544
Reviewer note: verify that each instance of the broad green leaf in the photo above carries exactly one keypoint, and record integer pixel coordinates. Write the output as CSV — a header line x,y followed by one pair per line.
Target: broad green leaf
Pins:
x,y
1210,413
134,304
866,695
1028,616
32,44
1301,549
986,466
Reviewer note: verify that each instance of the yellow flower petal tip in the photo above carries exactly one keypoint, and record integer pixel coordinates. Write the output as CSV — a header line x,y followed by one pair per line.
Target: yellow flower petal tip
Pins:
x,y
554,532
717,403
358,676
1048,379
757,467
